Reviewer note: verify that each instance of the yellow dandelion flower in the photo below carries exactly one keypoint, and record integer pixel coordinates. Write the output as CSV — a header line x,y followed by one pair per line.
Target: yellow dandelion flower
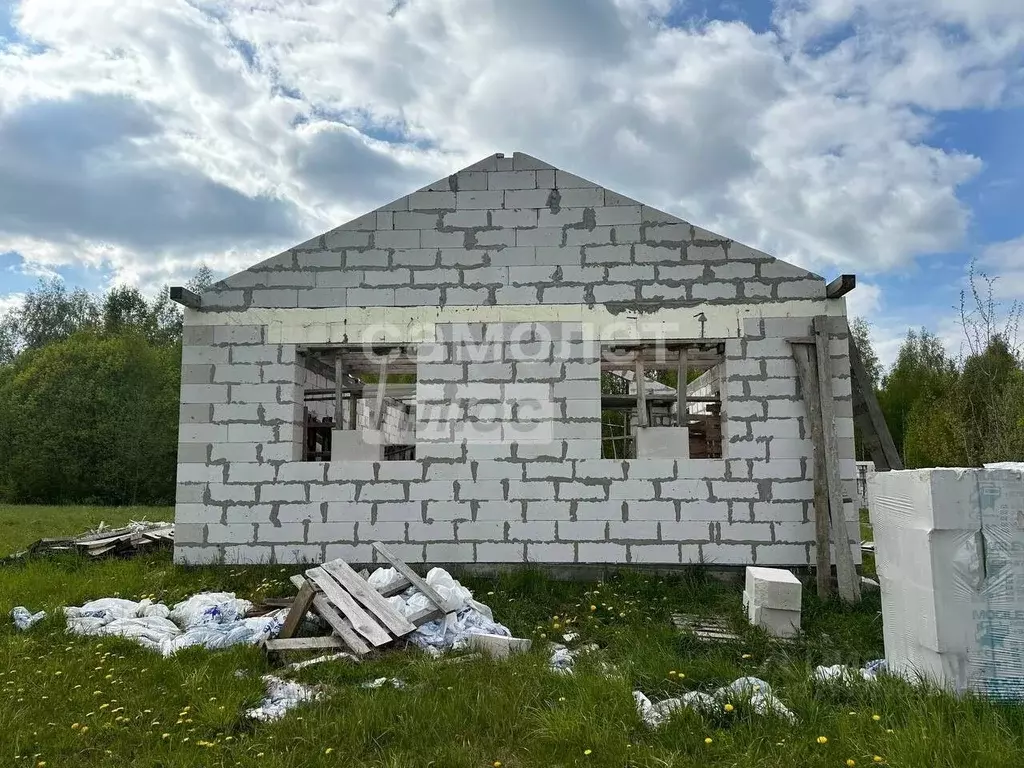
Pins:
x,y
729,707
556,626
587,751
75,726
166,736
876,718
889,730
328,750
496,764
622,615
85,729
671,673
708,740
823,740
851,762
259,754
681,675
593,607
746,656
877,759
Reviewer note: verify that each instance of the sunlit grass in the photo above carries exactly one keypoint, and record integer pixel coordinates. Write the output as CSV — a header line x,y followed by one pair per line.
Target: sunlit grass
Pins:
x,y
133,707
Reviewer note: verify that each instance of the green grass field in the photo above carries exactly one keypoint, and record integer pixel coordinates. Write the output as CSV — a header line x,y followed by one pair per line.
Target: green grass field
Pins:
x,y
79,701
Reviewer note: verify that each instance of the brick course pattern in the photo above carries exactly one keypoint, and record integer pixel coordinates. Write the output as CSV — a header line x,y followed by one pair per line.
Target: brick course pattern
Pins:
x,y
508,416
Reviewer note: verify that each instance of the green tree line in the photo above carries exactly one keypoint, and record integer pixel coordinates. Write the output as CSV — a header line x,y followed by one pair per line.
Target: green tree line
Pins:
x,y
956,411
89,388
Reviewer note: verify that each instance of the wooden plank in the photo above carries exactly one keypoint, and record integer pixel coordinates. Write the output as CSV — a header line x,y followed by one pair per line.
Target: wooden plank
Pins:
x,y
298,610
420,618
340,625
304,643
371,599
641,394
411,575
382,383
361,621
185,297
841,286
808,377
846,573
681,373
339,394
395,587
277,602
878,438
298,580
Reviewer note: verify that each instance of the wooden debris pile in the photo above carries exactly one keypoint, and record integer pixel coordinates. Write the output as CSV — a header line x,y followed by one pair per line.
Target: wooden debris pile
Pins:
x,y
116,542
360,617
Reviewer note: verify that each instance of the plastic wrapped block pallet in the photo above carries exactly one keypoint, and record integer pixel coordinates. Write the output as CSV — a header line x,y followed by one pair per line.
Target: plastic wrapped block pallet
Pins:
x,y
949,549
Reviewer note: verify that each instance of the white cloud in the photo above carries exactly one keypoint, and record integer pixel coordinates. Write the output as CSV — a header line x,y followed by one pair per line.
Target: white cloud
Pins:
x,y
228,131
1005,262
10,301
864,301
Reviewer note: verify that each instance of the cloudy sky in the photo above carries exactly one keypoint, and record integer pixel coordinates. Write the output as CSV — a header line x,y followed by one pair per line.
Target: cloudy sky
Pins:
x,y
140,138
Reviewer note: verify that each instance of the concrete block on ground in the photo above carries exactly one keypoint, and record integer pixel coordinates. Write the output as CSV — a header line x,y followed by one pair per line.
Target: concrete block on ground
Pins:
x,y
774,588
775,622
498,646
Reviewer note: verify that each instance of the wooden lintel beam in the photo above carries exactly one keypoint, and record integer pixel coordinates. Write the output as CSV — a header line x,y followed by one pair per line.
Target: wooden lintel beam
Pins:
x,y
841,286
185,297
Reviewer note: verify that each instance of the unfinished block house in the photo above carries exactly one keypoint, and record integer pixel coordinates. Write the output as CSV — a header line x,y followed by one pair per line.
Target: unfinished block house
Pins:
x,y
512,365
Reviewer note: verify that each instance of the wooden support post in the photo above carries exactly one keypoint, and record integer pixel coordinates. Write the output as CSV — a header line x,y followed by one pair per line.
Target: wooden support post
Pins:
x,y
868,415
641,394
339,396
846,572
382,382
681,375
298,609
807,373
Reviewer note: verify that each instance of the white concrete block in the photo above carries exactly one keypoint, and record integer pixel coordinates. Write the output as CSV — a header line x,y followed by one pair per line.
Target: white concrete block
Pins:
x,y
498,646
778,623
663,443
774,588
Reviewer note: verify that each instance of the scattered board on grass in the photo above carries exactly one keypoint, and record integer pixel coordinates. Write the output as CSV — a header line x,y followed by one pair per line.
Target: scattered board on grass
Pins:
x,y
359,615
704,628
713,630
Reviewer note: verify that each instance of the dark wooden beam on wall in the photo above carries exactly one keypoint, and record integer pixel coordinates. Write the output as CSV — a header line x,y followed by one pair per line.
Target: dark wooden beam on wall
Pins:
x,y
841,286
185,297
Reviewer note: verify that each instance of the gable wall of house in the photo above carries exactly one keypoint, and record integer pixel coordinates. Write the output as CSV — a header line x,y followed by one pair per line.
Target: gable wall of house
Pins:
x,y
508,466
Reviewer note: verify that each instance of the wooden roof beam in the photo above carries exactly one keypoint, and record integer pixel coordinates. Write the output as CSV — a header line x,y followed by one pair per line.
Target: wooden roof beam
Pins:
x,y
841,286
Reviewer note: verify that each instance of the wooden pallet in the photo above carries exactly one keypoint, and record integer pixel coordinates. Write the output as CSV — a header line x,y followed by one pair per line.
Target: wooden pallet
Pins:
x,y
712,629
704,628
360,617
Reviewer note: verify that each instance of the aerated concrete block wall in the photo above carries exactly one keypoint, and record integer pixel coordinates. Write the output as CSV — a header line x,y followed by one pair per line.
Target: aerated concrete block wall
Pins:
x,y
508,466
515,231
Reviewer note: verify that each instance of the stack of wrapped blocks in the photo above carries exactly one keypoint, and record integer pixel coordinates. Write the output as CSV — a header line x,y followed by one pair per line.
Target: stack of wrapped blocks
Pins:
x,y
772,600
